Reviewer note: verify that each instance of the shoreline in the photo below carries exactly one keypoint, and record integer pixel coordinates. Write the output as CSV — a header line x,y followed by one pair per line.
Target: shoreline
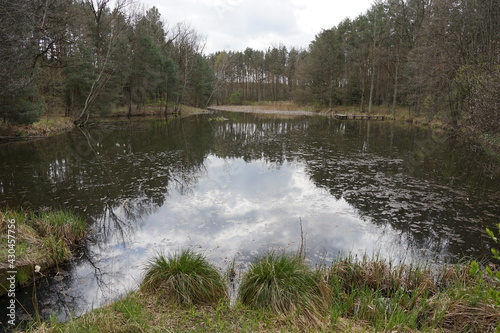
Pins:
x,y
253,109
353,295
35,243
55,125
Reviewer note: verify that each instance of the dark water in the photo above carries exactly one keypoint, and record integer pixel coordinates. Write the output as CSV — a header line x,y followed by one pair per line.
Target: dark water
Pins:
x,y
238,188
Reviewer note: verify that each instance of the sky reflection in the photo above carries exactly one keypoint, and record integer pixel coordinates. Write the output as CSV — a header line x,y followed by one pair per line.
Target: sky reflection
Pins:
x,y
235,211
241,188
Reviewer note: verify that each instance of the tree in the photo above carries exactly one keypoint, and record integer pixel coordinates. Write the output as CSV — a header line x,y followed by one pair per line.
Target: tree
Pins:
x,y
201,82
184,47
18,102
220,63
323,70
105,34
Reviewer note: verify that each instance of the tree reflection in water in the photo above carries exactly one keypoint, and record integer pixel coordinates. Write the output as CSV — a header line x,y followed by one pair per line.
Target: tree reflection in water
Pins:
x,y
240,187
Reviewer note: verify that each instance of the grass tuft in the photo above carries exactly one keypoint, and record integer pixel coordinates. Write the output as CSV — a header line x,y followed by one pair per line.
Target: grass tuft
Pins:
x,y
351,295
62,225
284,284
185,278
45,239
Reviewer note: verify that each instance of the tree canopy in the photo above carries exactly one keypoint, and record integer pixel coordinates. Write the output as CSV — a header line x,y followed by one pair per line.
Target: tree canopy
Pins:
x,y
86,57
437,58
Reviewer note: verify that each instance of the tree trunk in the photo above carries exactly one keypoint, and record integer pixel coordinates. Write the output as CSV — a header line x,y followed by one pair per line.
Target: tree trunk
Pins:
x,y
395,95
363,87
372,84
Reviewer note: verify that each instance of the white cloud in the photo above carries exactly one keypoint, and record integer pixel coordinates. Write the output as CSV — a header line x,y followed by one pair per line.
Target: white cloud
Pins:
x,y
237,24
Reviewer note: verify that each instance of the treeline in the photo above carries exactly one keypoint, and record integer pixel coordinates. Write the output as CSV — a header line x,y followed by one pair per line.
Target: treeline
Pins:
x,y
86,56
440,59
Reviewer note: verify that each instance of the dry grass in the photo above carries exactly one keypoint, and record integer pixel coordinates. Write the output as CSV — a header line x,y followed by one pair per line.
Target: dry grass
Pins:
x,y
462,314
45,239
141,312
410,297
270,108
281,105
361,296
350,274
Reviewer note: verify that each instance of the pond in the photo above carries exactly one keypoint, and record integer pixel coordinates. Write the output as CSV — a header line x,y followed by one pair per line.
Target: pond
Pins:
x,y
236,185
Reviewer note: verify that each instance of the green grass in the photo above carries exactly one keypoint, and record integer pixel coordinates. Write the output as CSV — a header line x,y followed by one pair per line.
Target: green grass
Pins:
x,y
279,293
45,239
141,312
184,278
62,225
412,297
284,284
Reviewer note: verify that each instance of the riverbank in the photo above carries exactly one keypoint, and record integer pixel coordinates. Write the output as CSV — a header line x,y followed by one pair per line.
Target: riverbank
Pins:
x,y
279,293
288,108
491,142
58,123
45,127
34,243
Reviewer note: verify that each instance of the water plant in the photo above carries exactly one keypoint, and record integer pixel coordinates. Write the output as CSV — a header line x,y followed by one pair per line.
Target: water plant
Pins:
x,y
284,284
184,278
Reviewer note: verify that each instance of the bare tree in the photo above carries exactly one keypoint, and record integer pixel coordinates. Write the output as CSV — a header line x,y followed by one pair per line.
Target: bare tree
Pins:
x,y
107,29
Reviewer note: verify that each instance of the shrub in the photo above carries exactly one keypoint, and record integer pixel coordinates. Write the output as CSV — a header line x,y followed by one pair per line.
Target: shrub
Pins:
x,y
236,98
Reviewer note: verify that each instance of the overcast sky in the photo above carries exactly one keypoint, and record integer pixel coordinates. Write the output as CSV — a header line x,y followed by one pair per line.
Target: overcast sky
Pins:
x,y
237,24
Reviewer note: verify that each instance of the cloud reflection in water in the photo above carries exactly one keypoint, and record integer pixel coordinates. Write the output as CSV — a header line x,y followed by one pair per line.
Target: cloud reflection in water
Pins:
x,y
236,210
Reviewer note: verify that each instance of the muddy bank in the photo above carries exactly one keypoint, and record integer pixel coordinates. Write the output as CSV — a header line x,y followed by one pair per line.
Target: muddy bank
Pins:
x,y
259,109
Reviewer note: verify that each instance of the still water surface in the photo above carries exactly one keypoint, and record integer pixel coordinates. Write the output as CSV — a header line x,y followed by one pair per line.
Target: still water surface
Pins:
x,y
237,188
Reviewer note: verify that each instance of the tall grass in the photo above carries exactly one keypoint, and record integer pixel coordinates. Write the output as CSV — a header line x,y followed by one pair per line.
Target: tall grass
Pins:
x,y
350,295
184,278
61,224
45,239
284,284
411,297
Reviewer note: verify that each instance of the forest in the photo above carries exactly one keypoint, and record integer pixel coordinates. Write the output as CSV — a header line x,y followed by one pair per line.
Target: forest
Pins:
x,y
438,59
